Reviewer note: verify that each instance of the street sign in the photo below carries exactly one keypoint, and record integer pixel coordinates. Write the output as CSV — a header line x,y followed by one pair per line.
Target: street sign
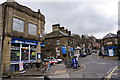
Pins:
x,y
110,52
64,50
38,55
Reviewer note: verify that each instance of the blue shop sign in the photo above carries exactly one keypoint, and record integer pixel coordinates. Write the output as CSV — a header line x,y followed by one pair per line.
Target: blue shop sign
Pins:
x,y
110,47
23,41
64,50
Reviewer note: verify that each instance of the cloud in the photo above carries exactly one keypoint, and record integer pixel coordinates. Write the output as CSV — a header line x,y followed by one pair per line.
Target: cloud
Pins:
x,y
85,17
80,18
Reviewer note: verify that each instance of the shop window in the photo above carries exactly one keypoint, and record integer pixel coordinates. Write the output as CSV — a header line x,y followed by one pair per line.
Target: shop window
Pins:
x,y
24,54
15,55
32,28
106,52
18,24
15,52
32,53
116,41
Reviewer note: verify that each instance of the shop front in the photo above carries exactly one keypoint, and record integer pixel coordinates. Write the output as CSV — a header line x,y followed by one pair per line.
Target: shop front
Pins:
x,y
110,51
22,51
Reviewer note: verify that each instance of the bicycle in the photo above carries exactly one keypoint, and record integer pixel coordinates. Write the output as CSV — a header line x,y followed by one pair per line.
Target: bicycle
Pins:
x,y
45,67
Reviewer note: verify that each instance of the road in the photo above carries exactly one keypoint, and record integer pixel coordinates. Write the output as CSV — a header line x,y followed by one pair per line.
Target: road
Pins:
x,y
94,67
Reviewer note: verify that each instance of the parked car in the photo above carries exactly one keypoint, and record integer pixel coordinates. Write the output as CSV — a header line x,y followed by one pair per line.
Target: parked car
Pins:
x,y
83,54
52,60
94,51
88,53
59,60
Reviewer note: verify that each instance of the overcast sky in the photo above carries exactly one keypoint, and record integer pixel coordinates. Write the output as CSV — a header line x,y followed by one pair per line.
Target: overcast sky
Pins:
x,y
92,17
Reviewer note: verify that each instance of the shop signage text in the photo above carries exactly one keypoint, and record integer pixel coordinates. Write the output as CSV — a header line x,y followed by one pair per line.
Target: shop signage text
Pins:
x,y
25,42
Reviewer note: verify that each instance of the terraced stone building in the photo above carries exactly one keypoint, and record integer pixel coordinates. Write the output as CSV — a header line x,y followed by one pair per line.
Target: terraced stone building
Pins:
x,y
60,42
21,28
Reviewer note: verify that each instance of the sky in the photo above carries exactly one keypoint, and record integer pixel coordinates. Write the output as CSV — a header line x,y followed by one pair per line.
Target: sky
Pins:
x,y
92,17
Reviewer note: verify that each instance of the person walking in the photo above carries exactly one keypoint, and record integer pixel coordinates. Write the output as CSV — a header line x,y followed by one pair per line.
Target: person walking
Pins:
x,y
100,54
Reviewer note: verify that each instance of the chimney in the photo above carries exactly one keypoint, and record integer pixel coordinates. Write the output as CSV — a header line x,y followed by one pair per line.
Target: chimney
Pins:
x,y
38,10
61,29
66,31
55,27
69,33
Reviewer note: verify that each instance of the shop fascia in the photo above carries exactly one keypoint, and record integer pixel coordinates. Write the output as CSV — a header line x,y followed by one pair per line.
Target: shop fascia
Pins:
x,y
25,42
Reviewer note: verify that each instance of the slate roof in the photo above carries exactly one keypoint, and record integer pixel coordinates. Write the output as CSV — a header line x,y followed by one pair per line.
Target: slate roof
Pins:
x,y
110,35
56,34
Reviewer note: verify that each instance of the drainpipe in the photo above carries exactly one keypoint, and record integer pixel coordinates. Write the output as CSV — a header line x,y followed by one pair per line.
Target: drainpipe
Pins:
x,y
1,55
2,38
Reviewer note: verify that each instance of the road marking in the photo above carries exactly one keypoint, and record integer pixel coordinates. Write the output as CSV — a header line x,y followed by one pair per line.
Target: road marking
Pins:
x,y
117,74
65,75
60,72
103,63
81,69
90,62
110,74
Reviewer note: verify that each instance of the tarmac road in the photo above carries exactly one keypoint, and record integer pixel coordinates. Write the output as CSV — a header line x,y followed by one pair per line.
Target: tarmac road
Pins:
x,y
94,67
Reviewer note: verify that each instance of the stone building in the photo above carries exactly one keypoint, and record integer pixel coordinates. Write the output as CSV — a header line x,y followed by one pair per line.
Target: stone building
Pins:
x,y
59,43
21,30
109,45
89,44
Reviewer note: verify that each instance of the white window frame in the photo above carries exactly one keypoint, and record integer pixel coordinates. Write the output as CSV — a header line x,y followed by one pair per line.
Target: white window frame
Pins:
x,y
33,28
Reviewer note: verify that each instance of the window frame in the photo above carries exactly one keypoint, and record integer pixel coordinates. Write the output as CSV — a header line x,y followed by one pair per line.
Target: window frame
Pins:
x,y
29,25
18,22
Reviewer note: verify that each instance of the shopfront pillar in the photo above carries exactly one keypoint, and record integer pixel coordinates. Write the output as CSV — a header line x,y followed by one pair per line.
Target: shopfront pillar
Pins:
x,y
6,55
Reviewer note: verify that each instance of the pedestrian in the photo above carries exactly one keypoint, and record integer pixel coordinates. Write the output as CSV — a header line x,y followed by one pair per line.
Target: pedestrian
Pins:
x,y
100,54
37,65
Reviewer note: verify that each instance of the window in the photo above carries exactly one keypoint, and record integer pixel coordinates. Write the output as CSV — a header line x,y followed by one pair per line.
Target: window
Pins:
x,y
58,42
18,24
32,28
115,41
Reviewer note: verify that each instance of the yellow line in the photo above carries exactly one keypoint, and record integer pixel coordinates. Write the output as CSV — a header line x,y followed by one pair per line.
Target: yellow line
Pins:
x,y
110,74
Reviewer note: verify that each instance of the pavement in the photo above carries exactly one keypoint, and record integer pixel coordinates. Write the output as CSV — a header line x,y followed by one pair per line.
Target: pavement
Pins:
x,y
56,71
